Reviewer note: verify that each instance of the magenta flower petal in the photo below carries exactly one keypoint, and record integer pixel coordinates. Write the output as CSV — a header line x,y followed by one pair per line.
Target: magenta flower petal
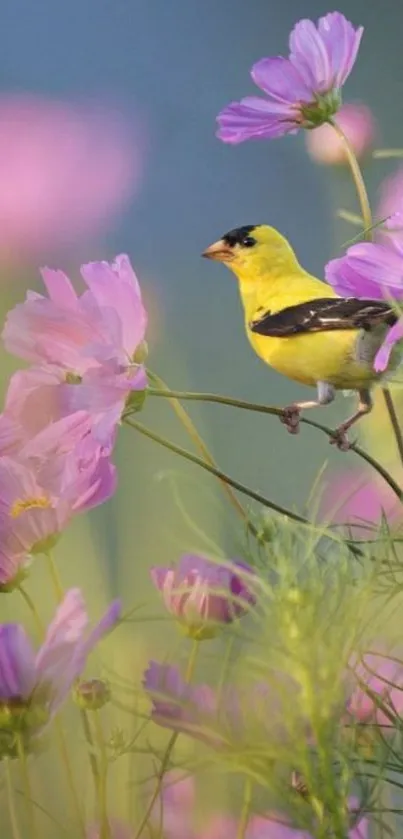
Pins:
x,y
67,645
179,706
280,80
342,43
308,53
17,662
367,270
382,357
253,118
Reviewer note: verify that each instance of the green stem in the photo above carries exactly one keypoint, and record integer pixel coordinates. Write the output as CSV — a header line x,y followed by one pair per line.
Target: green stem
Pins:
x,y
103,766
274,411
54,574
33,834
213,470
70,776
357,177
385,154
15,830
169,749
225,669
244,817
367,220
32,608
394,420
193,433
91,749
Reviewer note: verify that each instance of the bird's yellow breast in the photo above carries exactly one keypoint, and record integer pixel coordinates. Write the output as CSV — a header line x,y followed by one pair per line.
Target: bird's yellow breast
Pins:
x,y
308,358
320,356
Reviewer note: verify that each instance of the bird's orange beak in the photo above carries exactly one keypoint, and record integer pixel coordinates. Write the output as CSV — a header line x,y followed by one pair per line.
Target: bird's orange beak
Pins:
x,y
219,251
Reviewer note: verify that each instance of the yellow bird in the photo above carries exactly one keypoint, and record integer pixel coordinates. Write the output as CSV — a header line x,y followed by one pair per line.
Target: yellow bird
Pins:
x,y
299,326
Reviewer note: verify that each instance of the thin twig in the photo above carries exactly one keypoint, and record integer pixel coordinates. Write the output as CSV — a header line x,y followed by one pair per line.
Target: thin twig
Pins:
x,y
275,411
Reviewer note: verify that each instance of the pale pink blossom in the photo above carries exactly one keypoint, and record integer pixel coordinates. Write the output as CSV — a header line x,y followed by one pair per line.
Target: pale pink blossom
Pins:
x,y
360,501
84,348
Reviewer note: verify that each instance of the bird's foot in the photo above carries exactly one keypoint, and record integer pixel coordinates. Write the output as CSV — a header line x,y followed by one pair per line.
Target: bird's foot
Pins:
x,y
290,418
339,438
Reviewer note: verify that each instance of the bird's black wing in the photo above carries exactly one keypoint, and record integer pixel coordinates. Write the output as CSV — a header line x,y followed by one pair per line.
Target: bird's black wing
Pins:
x,y
325,314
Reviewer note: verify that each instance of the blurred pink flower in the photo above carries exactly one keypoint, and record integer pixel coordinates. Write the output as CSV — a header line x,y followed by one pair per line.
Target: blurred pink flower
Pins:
x,y
118,829
359,501
177,806
358,124
384,677
65,170
390,207
179,822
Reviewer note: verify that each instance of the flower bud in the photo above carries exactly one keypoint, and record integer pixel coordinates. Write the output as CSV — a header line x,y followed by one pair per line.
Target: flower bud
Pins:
x,y
92,695
325,146
203,595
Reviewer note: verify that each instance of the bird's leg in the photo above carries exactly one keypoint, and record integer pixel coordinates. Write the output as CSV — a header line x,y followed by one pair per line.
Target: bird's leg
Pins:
x,y
339,437
291,415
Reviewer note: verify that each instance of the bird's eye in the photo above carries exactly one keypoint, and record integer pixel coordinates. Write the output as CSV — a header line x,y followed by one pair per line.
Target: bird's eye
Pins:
x,y
248,242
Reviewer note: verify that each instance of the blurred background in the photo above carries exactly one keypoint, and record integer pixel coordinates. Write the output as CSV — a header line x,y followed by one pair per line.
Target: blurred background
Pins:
x,y
107,145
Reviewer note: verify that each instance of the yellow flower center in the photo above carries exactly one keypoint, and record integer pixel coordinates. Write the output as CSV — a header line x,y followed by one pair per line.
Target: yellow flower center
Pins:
x,y
73,379
22,504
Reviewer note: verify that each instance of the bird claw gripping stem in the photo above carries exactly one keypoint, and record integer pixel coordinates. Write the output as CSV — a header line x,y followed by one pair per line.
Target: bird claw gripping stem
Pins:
x,y
290,418
339,438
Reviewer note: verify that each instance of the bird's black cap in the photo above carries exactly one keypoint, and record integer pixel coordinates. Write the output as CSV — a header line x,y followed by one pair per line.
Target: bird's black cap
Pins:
x,y
238,234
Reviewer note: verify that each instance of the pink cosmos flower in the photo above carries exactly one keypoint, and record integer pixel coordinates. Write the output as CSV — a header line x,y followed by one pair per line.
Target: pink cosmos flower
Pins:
x,y
34,685
66,169
274,827
357,123
85,347
303,91
384,677
176,805
203,595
